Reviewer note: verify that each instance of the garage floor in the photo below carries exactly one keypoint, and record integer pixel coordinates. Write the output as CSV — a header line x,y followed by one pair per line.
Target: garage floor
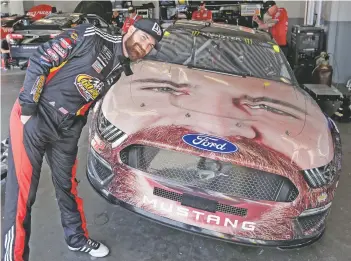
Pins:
x,y
133,238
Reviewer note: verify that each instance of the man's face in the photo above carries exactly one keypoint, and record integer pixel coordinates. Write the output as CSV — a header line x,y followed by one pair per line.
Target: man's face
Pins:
x,y
132,15
115,13
272,10
139,44
202,7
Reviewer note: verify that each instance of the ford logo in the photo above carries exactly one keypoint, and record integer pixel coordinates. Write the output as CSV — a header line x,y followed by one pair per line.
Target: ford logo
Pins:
x,y
209,143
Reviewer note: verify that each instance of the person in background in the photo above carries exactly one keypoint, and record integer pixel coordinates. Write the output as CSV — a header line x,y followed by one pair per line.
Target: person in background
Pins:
x,y
202,14
130,20
5,53
116,19
277,25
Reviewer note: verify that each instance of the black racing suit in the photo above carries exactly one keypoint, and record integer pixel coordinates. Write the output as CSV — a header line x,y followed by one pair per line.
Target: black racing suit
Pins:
x,y
65,77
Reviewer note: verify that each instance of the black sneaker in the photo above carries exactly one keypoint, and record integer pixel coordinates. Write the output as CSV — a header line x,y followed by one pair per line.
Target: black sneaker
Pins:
x,y
93,248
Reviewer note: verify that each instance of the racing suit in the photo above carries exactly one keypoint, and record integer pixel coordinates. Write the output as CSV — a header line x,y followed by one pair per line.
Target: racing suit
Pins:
x,y
65,76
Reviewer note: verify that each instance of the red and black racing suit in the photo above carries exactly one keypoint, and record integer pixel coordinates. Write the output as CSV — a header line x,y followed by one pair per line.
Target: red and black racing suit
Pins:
x,y
65,77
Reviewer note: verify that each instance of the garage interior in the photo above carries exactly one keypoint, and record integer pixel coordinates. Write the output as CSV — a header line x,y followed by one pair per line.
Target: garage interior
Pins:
x,y
131,237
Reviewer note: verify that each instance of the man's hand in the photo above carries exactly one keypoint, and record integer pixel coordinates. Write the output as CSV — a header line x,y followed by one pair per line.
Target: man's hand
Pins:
x,y
256,19
25,118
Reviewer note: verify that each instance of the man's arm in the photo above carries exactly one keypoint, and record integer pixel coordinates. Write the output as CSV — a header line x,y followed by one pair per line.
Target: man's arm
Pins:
x,y
265,25
47,56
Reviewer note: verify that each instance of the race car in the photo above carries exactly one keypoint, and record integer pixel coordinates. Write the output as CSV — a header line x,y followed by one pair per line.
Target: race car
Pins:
x,y
213,135
25,41
8,23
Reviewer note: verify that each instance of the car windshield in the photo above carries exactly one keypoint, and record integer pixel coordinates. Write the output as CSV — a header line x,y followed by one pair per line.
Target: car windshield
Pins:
x,y
224,54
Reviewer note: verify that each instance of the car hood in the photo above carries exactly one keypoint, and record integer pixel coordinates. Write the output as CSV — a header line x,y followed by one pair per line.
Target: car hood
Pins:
x,y
274,115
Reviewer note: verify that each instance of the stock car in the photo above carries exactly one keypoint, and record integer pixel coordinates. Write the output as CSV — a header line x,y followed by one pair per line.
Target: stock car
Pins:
x,y
213,135
8,24
23,42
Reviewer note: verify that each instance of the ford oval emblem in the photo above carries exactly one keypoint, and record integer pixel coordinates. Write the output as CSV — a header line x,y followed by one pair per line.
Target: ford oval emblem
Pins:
x,y
209,143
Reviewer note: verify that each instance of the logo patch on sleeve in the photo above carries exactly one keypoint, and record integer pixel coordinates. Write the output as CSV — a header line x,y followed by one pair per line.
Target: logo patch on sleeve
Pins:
x,y
66,43
58,49
37,88
52,54
97,66
88,86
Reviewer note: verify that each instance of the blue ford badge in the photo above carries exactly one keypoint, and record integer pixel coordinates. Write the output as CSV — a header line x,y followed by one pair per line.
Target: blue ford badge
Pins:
x,y
209,143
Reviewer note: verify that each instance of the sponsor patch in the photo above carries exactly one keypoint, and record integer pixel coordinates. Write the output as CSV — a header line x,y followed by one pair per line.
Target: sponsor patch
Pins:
x,y
37,88
58,49
44,60
88,86
104,56
156,28
66,43
97,66
52,54
74,35
210,143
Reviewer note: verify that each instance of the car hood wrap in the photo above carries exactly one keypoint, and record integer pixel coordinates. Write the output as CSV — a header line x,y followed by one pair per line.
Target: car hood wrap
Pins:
x,y
275,126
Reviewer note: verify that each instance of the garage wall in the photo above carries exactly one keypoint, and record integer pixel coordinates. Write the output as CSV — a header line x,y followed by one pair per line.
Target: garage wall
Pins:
x,y
337,23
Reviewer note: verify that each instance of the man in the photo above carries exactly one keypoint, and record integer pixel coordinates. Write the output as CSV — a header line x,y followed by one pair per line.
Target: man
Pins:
x,y
278,25
202,14
133,17
116,19
5,53
65,77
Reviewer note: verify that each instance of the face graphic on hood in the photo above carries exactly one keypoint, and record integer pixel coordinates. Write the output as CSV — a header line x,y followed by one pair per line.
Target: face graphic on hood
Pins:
x,y
271,113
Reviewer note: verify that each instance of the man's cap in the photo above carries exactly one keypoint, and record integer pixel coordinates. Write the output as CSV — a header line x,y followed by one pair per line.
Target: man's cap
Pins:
x,y
152,27
131,9
268,4
202,3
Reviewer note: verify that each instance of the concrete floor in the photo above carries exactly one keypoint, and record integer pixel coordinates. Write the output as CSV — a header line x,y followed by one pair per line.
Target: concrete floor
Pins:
x,y
132,238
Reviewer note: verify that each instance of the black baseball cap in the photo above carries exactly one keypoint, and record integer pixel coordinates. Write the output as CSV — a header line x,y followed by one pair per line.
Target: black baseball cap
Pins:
x,y
152,27
268,4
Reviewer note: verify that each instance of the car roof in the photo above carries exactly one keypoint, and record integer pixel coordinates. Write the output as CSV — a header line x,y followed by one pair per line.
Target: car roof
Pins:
x,y
68,15
221,29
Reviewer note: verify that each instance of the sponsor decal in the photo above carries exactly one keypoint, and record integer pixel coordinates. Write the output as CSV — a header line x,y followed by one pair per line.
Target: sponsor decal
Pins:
x,y
201,217
209,143
104,56
107,52
97,66
88,86
66,43
248,40
37,88
44,60
39,11
58,49
156,28
52,103
30,47
52,54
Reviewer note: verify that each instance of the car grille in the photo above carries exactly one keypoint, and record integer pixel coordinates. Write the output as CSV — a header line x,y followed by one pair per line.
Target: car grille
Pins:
x,y
99,166
220,207
203,173
313,222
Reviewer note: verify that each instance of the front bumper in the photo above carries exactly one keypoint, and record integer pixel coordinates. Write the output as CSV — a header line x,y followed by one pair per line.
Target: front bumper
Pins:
x,y
103,191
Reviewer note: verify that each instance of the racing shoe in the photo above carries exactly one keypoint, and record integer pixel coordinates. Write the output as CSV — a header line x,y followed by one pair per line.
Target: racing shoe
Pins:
x,y
93,248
